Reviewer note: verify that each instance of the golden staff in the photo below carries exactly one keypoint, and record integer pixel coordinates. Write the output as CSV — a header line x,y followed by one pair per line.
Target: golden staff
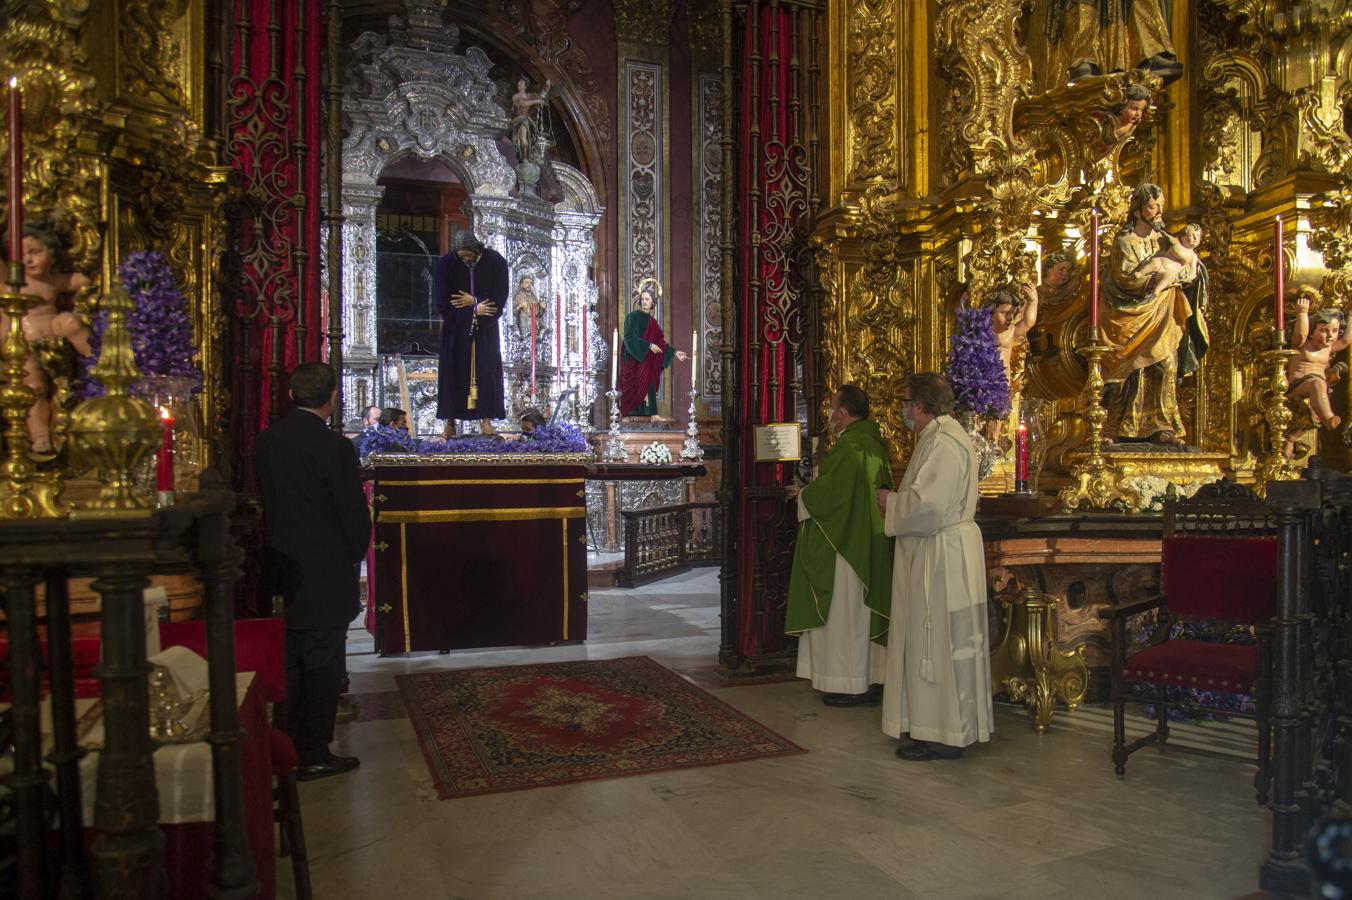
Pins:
x,y
473,401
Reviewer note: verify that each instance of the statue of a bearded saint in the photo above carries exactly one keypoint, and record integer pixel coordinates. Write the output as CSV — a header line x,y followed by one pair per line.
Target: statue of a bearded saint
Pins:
x,y
1153,326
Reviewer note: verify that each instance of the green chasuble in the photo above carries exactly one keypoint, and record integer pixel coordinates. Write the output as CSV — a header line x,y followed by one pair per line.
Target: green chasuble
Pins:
x,y
843,503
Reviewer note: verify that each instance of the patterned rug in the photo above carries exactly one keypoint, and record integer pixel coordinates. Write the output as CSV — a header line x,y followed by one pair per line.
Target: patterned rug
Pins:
x,y
509,728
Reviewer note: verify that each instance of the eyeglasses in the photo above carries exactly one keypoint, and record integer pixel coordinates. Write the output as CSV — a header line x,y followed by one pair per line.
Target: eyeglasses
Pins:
x,y
908,400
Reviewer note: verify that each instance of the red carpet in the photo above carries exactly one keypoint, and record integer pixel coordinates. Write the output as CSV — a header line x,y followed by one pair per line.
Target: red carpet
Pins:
x,y
513,727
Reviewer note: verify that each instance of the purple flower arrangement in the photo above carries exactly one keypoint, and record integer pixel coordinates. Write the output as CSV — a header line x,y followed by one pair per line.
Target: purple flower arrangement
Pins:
x,y
161,333
974,366
561,438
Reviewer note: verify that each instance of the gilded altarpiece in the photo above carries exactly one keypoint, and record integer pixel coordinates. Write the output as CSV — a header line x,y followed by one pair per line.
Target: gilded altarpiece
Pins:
x,y
121,141
916,216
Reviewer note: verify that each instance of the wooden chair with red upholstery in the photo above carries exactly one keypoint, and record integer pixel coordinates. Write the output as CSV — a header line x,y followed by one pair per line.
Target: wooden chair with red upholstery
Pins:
x,y
260,647
1218,566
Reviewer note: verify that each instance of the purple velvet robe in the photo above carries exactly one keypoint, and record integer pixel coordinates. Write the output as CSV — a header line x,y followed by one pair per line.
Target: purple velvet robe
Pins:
x,y
487,280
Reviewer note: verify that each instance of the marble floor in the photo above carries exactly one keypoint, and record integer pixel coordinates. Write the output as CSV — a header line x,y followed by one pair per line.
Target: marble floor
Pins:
x,y
1024,816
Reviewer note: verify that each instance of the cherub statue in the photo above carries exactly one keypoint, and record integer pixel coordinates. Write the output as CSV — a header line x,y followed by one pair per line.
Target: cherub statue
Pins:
x,y
1013,315
1058,270
50,276
1013,310
1125,116
1177,263
1309,371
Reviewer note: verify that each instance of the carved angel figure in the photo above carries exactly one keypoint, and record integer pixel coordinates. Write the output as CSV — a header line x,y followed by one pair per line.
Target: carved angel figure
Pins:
x,y
1309,372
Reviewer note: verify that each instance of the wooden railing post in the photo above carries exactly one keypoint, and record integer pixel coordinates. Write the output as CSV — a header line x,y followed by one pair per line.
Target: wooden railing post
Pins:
x,y
129,850
66,751
28,779
1282,870
233,873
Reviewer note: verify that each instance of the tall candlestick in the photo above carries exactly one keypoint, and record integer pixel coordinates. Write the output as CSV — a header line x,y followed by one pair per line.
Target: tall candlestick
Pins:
x,y
164,457
615,360
1021,459
1094,273
15,172
1279,276
533,310
694,360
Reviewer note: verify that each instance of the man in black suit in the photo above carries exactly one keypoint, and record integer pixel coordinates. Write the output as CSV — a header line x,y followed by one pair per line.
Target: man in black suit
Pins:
x,y
317,528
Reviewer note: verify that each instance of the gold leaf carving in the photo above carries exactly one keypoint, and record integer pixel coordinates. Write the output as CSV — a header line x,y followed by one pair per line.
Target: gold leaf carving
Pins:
x,y
872,73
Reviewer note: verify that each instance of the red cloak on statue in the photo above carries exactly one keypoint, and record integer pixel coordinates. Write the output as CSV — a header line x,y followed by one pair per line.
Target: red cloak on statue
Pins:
x,y
640,368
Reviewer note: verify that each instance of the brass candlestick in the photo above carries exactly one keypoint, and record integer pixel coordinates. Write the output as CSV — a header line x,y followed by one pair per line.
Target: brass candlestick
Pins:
x,y
114,433
1030,667
24,492
1275,464
1094,480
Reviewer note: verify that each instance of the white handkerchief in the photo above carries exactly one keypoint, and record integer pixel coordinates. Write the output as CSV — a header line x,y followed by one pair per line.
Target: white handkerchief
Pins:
x,y
187,669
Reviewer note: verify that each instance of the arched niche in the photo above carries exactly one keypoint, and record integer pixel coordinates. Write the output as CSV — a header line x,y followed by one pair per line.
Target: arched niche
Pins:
x,y
415,94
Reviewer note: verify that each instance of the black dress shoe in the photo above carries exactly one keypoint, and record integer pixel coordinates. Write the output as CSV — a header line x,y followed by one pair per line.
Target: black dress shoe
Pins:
x,y
872,697
334,765
924,751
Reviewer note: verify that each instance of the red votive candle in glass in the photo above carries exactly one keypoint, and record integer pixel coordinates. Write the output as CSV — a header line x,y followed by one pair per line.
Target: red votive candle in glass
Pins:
x,y
1094,274
15,183
1021,459
1279,275
164,457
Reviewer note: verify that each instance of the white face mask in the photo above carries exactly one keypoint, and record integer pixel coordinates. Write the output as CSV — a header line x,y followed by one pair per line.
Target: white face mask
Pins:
x,y
833,422
906,418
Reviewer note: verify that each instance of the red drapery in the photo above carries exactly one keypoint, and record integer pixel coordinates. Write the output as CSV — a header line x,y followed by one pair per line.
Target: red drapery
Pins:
x,y
273,100
771,171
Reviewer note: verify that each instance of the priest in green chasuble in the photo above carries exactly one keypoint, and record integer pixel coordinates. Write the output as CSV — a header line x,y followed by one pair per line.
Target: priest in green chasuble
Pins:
x,y
938,678
840,585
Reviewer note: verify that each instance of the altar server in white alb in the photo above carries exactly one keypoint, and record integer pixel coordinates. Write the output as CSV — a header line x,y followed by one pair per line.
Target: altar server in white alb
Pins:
x,y
938,684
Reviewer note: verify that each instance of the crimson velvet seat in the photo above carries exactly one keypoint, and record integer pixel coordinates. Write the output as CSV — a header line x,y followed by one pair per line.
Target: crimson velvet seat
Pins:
x,y
1225,579
260,647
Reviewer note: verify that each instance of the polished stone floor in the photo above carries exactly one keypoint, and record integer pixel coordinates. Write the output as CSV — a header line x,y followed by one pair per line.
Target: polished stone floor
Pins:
x,y
1024,816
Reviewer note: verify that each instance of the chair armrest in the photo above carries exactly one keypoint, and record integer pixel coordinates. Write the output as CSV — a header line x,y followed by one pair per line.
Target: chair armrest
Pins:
x,y
1131,607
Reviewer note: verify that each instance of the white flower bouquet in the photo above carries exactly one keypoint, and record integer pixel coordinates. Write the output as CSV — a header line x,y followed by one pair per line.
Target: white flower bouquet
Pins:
x,y
655,454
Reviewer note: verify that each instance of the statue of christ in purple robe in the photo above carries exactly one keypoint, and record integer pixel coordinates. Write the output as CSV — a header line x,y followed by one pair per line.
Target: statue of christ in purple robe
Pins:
x,y
470,287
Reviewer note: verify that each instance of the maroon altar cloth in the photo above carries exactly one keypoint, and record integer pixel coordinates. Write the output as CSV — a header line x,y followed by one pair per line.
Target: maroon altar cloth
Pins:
x,y
479,552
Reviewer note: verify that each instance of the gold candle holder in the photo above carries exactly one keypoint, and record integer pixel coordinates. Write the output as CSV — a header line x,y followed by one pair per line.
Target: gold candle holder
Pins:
x,y
1275,464
1030,666
113,434
24,492
1094,480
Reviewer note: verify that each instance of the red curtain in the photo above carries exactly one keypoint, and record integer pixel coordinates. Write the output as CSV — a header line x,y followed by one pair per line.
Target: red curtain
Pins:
x,y
273,99
769,178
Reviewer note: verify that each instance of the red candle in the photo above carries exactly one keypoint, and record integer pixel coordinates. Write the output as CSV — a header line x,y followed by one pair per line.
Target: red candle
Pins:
x,y
533,310
1094,273
164,457
15,187
558,332
1279,275
1021,458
